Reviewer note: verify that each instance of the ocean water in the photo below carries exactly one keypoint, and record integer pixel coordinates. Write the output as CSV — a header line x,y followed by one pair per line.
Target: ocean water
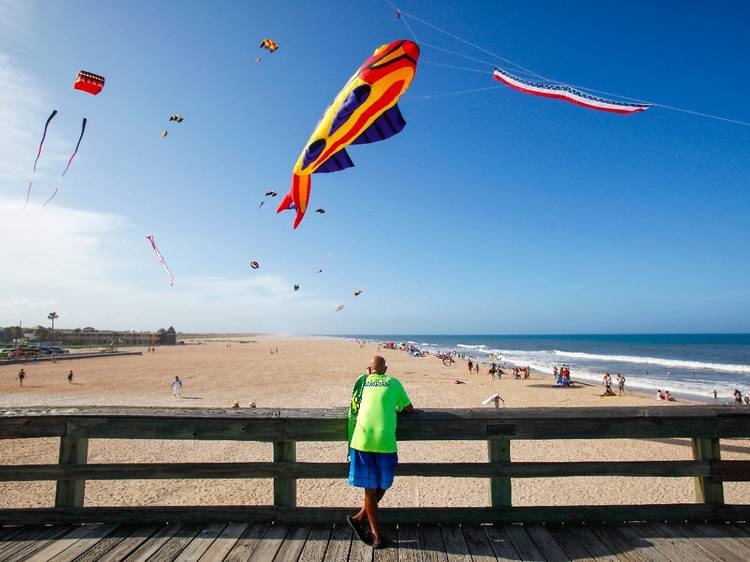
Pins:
x,y
685,364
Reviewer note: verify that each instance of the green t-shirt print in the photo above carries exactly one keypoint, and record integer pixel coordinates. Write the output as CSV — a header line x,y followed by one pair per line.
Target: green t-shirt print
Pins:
x,y
376,399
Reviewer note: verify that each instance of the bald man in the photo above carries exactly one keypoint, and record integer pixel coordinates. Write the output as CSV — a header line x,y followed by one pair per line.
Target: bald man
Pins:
x,y
376,399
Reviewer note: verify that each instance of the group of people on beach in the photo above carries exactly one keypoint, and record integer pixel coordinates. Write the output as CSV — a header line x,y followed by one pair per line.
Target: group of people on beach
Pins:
x,y
562,375
21,376
738,398
607,384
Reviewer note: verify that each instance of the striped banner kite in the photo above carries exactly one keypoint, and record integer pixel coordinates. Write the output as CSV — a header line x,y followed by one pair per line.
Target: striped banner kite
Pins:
x,y
566,93
150,238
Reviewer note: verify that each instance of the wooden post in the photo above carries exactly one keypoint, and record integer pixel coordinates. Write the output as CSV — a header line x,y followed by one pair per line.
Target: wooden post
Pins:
x,y
706,490
73,450
498,450
284,489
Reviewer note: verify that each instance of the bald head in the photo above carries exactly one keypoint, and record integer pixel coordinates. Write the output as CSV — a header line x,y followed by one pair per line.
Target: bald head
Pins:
x,y
377,365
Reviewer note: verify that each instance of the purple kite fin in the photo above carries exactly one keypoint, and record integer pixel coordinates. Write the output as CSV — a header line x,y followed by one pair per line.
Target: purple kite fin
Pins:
x,y
336,162
384,127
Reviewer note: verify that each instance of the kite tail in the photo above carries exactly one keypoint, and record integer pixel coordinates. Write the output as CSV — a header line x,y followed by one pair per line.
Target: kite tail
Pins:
x,y
70,160
297,198
38,155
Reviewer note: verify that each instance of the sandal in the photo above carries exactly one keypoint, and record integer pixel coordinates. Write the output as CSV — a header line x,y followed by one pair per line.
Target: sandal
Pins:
x,y
354,524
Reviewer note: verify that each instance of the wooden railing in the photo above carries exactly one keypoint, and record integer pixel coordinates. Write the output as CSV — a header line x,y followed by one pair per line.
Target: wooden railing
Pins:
x,y
704,425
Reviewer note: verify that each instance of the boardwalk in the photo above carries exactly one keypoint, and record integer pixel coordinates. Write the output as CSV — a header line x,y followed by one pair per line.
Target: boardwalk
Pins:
x,y
289,543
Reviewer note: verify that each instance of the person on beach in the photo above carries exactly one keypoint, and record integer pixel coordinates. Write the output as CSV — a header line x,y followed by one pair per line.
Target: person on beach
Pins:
x,y
177,387
70,376
376,401
20,376
737,395
471,366
476,368
620,384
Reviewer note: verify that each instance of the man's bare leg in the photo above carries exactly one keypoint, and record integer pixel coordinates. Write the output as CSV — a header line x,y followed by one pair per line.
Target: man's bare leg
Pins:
x,y
372,496
362,514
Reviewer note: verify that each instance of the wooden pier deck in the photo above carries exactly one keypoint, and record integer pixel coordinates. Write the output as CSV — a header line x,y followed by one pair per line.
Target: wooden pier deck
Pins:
x,y
290,543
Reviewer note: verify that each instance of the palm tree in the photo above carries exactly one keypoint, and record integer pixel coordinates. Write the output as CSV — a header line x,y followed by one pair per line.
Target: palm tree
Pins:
x,y
53,316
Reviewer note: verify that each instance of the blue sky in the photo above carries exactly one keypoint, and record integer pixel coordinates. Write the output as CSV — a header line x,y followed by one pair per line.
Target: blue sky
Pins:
x,y
492,212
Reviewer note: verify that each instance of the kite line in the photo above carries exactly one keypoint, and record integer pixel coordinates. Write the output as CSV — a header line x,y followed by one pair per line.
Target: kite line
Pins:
x,y
38,154
402,15
65,171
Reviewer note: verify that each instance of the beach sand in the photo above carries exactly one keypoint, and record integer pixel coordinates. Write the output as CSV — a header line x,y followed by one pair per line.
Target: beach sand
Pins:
x,y
319,372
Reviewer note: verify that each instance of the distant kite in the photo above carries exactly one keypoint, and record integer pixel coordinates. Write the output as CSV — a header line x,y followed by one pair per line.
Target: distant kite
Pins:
x,y
397,14
269,44
176,117
566,93
163,263
320,270
258,60
357,292
261,203
364,111
38,154
271,194
339,307
89,82
296,287
164,134
254,264
320,211
70,160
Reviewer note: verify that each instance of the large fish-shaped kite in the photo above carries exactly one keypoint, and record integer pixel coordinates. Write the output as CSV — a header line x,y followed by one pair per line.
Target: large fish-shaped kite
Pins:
x,y
364,111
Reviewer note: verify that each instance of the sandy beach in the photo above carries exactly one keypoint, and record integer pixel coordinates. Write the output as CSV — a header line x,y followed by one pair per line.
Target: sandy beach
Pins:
x,y
319,372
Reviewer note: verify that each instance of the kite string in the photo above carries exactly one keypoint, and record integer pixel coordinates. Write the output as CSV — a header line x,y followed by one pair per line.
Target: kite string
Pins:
x,y
547,79
454,93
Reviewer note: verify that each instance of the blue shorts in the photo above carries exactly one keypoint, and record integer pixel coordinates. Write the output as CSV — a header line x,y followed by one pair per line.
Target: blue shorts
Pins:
x,y
372,470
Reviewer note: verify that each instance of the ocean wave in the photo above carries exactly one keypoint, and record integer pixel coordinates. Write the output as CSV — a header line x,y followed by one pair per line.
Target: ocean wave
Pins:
x,y
674,363
464,346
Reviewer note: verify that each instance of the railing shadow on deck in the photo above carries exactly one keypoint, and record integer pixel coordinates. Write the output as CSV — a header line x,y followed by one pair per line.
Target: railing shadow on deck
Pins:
x,y
704,425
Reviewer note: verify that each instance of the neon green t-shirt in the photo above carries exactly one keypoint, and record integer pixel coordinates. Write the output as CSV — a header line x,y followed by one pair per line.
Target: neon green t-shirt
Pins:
x,y
380,398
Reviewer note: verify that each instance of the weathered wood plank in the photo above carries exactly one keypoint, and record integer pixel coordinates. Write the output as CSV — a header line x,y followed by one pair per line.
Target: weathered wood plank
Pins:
x,y
284,489
573,548
247,543
717,541
408,543
130,543
478,544
617,544
316,543
707,490
427,515
730,471
359,551
57,546
201,543
270,543
19,550
641,544
176,543
596,547
546,543
389,553
431,543
108,544
224,543
523,543
153,543
672,543
498,451
146,471
322,425
455,545
293,544
82,545
339,544
73,451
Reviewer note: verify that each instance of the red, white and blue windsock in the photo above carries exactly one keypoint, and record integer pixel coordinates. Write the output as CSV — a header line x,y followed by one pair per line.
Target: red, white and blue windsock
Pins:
x,y
566,93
